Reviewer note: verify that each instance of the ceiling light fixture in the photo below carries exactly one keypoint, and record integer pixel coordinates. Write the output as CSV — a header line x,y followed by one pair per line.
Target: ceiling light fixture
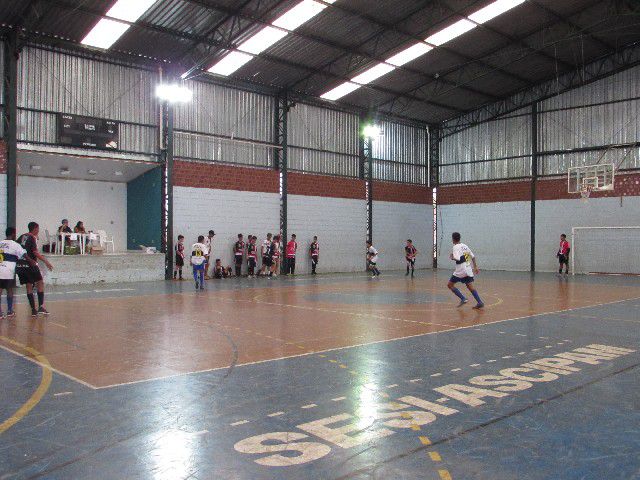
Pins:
x,y
108,30
409,54
35,167
269,35
173,93
92,172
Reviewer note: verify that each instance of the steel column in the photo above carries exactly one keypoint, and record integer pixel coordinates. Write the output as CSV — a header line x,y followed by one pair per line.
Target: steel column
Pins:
x,y
11,55
434,180
167,187
534,181
280,160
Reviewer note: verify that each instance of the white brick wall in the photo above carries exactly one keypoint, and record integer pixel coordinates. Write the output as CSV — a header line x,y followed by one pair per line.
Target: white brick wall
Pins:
x,y
393,224
554,217
339,223
228,212
498,233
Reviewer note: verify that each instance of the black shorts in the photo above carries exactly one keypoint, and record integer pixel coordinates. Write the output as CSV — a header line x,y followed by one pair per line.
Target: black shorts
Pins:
x,y
411,261
563,259
7,283
29,275
268,261
238,259
179,262
251,262
465,280
314,258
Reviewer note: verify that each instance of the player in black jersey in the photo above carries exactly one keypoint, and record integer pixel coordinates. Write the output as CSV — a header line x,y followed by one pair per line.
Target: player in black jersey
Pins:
x,y
29,271
252,255
314,250
238,253
410,253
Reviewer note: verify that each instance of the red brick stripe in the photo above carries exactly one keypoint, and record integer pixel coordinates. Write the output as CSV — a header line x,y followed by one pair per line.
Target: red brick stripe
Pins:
x,y
400,192
325,186
547,189
225,177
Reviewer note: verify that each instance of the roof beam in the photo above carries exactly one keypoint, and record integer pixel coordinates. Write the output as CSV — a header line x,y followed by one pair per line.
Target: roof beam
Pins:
x,y
347,50
396,28
276,60
492,52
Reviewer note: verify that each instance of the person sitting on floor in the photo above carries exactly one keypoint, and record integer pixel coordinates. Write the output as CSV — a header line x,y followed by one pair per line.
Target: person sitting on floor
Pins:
x,y
219,271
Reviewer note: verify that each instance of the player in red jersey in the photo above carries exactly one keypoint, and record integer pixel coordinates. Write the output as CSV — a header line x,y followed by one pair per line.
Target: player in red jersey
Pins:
x,y
563,253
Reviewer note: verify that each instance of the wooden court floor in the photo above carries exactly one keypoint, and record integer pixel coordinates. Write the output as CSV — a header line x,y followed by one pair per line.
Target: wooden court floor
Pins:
x,y
328,377
106,340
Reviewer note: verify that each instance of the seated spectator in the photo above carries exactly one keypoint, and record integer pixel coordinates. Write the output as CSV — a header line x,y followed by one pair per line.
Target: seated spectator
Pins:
x,y
79,228
219,271
64,228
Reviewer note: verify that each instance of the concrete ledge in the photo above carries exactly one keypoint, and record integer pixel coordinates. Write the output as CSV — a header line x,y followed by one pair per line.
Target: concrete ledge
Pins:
x,y
108,268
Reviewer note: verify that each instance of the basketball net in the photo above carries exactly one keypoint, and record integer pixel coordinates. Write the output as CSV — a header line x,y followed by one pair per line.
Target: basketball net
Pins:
x,y
585,192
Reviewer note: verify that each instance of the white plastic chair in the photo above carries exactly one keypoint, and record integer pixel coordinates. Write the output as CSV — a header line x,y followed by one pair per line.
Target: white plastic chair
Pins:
x,y
51,240
104,241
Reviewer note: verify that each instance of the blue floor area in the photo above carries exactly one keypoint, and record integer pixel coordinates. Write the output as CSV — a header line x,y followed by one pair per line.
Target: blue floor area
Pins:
x,y
339,414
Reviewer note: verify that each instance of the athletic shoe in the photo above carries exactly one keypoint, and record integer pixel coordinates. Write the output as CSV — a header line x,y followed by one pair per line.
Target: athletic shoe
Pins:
x,y
11,314
478,306
202,287
462,302
42,311
197,286
34,312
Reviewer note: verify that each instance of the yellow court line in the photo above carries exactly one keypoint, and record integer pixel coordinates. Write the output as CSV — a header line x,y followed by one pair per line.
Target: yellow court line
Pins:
x,y
36,396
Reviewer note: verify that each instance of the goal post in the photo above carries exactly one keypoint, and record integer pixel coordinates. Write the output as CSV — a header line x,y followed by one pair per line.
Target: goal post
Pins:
x,y
605,250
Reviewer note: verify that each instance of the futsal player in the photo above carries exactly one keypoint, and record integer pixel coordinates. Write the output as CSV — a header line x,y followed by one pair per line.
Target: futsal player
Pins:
x,y
198,261
208,242
372,259
266,259
10,253
466,267
563,253
290,261
179,248
252,253
275,256
29,270
238,253
314,250
410,253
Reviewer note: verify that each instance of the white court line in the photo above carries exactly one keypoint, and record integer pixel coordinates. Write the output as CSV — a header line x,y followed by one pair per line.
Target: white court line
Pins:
x,y
241,422
53,369
311,405
369,343
474,365
456,369
62,394
435,374
275,414
415,380
338,399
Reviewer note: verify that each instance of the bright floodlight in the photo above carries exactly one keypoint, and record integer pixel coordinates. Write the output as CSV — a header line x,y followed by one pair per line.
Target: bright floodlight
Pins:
x,y
173,93
371,131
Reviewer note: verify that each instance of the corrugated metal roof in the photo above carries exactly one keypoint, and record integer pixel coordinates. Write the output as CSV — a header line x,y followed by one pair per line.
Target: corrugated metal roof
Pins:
x,y
544,38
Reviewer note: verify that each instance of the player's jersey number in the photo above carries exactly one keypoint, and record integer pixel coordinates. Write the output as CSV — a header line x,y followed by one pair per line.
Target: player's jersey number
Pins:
x,y
467,257
1,255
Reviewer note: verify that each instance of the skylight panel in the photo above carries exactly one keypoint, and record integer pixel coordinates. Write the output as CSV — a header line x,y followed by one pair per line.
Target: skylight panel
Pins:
x,y
269,35
493,10
437,39
449,33
340,91
409,54
108,30
230,63
373,73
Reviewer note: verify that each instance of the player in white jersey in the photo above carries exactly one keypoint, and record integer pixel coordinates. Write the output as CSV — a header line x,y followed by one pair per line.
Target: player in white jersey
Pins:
x,y
199,262
372,259
267,260
466,267
10,253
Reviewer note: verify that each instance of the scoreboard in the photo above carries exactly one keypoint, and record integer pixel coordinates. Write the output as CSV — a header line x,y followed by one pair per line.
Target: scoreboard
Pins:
x,y
87,132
